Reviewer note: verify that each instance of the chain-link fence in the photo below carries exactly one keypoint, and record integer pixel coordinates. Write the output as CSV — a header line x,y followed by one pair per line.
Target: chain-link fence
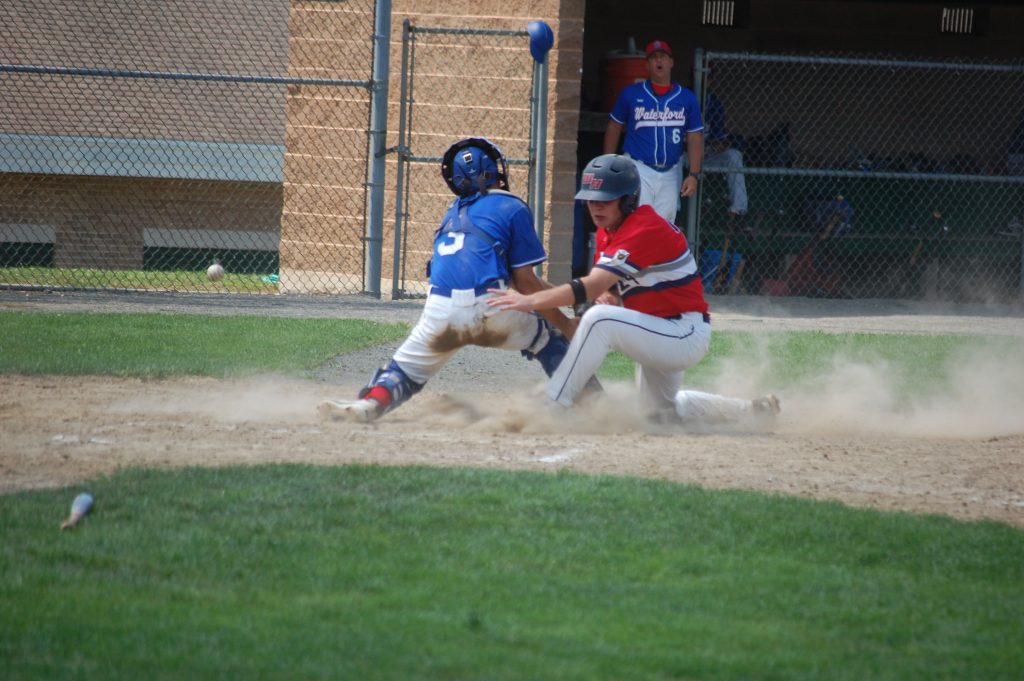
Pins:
x,y
140,143
865,177
456,83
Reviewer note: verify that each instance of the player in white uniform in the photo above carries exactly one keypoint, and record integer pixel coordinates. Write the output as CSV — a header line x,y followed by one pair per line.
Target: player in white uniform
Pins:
x,y
651,304
659,117
486,240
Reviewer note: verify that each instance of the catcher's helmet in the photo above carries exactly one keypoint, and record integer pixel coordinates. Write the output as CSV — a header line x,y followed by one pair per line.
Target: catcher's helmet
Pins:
x,y
611,177
473,165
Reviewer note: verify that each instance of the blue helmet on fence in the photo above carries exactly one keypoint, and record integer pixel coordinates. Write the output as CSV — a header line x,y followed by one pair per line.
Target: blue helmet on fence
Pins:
x,y
473,165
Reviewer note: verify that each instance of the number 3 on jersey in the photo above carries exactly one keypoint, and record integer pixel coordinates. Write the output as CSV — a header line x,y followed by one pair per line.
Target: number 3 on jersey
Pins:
x,y
452,244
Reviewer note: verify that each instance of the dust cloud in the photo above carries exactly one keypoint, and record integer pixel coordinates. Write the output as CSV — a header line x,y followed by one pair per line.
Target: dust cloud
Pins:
x,y
977,393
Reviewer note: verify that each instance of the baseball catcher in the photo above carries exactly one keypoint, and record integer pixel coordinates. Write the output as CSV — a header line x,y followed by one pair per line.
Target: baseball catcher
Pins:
x,y
486,241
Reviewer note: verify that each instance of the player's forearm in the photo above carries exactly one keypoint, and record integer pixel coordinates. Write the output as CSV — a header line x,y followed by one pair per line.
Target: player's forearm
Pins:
x,y
558,320
576,292
527,282
695,151
551,298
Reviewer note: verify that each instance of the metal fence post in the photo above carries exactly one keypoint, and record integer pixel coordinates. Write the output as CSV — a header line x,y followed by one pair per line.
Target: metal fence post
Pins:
x,y
403,160
1020,289
378,145
693,201
541,40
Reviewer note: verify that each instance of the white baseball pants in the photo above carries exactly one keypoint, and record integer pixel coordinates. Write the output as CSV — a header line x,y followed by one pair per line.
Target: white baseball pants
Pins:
x,y
448,324
660,189
663,350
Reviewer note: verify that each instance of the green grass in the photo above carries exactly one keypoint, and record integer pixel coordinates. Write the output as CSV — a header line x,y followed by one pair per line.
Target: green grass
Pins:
x,y
154,280
400,573
283,572
168,344
913,365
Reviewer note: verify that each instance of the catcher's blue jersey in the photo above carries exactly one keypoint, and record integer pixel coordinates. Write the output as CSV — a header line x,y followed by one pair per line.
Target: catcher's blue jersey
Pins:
x,y
656,126
465,259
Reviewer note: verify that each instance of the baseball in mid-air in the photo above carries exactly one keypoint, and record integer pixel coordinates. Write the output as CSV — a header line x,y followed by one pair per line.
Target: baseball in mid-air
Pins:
x,y
215,272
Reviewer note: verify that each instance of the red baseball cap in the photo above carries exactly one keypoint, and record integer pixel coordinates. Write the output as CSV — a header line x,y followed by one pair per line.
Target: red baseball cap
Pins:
x,y
658,46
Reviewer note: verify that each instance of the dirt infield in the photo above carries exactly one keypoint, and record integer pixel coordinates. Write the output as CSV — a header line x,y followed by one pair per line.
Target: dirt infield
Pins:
x,y
960,454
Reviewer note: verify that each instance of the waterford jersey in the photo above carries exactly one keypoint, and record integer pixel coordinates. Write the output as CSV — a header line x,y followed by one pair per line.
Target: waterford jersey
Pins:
x,y
656,126
657,270
500,237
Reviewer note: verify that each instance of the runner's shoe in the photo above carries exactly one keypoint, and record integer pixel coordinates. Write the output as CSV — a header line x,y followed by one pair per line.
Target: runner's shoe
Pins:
x,y
766,406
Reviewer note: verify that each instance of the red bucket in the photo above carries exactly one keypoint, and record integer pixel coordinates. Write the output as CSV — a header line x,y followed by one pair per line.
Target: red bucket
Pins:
x,y
620,68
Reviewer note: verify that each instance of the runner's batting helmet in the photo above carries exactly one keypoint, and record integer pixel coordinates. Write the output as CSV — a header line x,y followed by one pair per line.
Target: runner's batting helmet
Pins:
x,y
610,177
473,165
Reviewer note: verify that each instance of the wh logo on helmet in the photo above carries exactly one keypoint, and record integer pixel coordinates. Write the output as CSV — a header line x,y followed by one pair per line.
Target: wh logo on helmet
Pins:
x,y
592,181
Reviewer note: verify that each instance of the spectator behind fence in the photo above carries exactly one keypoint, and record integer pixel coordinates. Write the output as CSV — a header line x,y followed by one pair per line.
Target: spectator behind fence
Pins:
x,y
659,116
721,152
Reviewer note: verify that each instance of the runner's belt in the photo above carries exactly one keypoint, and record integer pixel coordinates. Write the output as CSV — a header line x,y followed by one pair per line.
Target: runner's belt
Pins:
x,y
705,315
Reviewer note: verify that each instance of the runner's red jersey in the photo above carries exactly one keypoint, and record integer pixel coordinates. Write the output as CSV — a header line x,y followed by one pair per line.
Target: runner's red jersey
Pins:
x,y
657,271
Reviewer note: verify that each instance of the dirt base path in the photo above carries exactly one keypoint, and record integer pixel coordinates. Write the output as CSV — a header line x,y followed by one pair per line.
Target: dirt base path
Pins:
x,y
962,457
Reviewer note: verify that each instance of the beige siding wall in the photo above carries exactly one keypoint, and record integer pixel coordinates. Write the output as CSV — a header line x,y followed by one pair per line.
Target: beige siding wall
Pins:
x,y
226,36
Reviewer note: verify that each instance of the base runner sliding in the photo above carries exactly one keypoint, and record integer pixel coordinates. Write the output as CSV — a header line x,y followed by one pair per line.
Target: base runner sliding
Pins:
x,y
650,304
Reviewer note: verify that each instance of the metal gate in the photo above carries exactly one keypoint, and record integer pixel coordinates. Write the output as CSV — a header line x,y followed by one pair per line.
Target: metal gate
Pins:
x,y
457,83
867,178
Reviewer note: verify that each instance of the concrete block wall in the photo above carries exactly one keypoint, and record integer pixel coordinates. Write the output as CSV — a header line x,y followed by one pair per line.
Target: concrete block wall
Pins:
x,y
565,59
323,217
326,129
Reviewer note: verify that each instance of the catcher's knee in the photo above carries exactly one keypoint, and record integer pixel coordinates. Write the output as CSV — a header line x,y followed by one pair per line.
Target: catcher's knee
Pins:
x,y
548,347
552,354
393,379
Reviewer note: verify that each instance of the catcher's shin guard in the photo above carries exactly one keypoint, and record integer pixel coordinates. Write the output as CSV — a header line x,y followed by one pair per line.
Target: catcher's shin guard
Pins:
x,y
395,381
553,347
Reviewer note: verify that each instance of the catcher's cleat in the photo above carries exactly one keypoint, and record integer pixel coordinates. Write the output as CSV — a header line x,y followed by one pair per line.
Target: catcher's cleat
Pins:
x,y
360,411
766,406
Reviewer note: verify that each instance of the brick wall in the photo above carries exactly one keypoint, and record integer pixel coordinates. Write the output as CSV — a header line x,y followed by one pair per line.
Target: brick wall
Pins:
x,y
99,221
326,130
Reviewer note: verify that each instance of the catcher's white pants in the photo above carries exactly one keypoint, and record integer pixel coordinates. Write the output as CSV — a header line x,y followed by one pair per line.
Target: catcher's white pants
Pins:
x,y
663,350
448,324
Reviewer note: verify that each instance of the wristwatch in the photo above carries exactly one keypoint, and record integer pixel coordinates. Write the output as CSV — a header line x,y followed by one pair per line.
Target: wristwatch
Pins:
x,y
697,175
